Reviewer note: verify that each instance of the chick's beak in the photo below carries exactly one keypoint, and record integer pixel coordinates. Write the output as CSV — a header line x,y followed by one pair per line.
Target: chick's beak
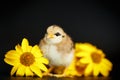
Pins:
x,y
50,36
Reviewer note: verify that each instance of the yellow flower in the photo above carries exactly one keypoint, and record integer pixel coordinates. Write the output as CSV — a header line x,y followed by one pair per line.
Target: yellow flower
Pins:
x,y
71,69
74,69
94,58
26,60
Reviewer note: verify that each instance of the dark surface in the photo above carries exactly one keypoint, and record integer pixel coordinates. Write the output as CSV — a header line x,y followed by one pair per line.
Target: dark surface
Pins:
x,y
94,21
54,78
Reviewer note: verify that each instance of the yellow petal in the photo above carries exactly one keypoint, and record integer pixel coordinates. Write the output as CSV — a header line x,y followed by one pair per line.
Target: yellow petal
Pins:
x,y
81,54
14,69
28,72
88,69
96,70
12,54
25,44
36,51
85,60
42,60
107,67
71,72
20,71
18,49
107,62
29,48
11,61
41,66
36,70
104,72
86,46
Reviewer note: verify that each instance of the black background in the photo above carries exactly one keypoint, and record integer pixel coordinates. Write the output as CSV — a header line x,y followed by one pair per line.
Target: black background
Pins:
x,y
94,21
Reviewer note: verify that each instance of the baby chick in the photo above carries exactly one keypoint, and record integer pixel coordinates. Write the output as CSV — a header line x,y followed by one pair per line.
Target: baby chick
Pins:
x,y
57,46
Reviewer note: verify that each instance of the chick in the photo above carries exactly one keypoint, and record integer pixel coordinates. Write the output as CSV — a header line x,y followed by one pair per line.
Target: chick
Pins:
x,y
57,47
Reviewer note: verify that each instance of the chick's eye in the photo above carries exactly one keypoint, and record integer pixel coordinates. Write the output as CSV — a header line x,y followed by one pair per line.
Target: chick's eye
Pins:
x,y
57,34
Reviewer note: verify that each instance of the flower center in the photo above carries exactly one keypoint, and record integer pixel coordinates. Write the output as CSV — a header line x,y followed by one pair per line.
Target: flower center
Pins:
x,y
96,57
27,59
